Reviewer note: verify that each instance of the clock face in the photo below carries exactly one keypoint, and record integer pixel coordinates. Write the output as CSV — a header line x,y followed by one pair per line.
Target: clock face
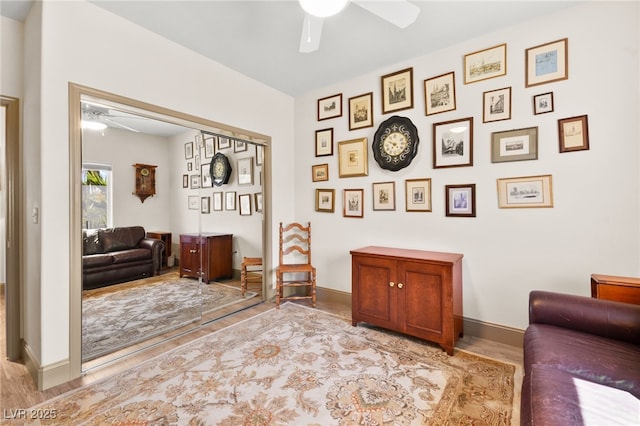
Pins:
x,y
220,169
395,143
144,171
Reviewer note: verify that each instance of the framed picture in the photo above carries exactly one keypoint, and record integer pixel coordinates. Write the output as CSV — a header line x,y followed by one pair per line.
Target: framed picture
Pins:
x,y
207,182
384,196
397,91
209,146
543,103
418,195
353,203
330,107
193,202
320,172
361,111
195,181
217,201
245,204
205,205
325,200
196,160
188,150
185,181
259,155
523,192
547,63
239,146
573,133
353,158
224,142
258,201
514,145
324,142
440,94
485,64
190,166
453,143
230,200
461,200
245,171
497,105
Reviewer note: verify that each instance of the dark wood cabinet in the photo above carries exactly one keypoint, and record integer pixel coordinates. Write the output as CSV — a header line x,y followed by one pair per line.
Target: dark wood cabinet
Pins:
x,y
620,289
212,249
414,292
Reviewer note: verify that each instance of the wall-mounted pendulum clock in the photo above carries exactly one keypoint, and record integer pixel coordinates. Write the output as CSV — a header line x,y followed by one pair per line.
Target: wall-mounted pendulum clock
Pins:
x,y
145,181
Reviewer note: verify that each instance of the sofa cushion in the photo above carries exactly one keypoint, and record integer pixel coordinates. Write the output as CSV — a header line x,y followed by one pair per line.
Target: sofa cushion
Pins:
x,y
122,238
91,242
130,255
95,260
587,356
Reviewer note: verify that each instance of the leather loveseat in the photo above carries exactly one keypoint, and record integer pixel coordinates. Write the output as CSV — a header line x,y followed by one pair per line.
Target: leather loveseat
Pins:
x,y
581,361
114,255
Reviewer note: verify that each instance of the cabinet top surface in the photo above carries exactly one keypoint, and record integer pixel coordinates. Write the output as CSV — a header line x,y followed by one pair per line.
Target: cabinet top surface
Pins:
x,y
612,279
408,253
206,234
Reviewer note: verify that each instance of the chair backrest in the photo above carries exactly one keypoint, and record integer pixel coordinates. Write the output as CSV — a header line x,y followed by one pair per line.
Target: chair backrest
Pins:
x,y
295,244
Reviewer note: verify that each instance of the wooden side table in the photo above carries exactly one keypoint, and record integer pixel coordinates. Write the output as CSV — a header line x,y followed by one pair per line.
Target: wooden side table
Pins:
x,y
621,289
166,238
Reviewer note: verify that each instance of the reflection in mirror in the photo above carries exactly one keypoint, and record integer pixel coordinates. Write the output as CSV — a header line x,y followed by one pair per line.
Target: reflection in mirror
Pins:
x,y
163,239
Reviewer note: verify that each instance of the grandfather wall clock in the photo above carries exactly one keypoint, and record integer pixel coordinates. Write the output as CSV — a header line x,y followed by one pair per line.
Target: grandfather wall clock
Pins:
x,y
145,181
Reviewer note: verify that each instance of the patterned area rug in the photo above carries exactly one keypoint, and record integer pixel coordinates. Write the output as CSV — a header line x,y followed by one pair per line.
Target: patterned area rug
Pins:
x,y
134,312
298,366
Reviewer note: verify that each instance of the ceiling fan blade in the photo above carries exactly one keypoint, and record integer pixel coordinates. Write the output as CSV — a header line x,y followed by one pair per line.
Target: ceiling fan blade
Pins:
x,y
400,13
311,33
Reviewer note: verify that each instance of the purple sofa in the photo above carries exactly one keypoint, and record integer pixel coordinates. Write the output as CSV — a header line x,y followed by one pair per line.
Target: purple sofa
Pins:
x,y
581,361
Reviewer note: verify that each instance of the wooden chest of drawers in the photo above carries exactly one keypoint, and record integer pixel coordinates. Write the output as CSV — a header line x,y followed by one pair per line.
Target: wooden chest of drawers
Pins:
x,y
621,289
212,249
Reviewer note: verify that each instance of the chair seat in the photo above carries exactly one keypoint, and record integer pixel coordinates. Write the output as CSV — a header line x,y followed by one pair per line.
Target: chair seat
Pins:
x,y
250,262
292,268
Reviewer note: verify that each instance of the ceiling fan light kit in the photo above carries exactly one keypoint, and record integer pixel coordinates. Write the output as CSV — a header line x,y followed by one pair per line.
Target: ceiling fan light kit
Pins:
x,y
322,8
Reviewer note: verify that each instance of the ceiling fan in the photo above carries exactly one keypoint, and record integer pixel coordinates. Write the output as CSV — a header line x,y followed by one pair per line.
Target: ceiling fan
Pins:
x,y
400,13
94,113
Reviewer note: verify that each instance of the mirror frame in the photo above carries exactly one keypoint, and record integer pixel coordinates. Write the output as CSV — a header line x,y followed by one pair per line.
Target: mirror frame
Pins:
x,y
76,92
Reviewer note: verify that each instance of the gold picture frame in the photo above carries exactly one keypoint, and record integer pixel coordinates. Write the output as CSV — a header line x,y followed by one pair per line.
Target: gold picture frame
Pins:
x,y
485,64
320,172
325,200
547,63
525,192
353,158
418,195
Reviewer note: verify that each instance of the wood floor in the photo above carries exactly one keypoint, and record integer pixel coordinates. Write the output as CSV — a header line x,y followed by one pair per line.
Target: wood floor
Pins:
x,y
17,390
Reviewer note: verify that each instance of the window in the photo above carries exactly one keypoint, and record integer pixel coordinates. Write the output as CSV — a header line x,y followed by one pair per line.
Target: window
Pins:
x,y
96,196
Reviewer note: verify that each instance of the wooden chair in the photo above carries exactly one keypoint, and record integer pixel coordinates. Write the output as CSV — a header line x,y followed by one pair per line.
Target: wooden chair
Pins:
x,y
249,262
295,261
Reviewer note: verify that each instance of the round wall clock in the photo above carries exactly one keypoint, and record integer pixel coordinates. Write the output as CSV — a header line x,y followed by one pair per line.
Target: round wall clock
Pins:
x,y
395,143
220,169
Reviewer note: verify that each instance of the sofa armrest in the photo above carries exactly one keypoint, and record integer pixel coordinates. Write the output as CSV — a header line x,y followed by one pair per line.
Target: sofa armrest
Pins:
x,y
606,318
157,249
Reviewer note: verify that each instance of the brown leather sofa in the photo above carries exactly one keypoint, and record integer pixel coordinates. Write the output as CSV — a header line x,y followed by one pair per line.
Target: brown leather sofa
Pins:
x,y
115,255
581,361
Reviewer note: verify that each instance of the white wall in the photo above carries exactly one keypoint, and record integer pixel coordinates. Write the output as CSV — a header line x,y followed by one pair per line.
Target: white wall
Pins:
x,y
594,224
11,68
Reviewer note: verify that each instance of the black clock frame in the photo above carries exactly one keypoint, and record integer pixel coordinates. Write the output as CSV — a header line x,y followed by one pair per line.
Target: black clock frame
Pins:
x,y
390,125
224,179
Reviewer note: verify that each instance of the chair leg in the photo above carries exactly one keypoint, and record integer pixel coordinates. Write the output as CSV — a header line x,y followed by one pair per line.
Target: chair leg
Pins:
x,y
278,289
313,289
243,279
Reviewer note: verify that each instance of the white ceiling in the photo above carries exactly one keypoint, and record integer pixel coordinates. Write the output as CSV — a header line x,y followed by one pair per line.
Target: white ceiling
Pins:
x,y
260,39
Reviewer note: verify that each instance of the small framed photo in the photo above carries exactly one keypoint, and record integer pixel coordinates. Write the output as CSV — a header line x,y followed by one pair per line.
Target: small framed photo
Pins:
x,y
190,166
185,181
397,91
461,200
325,200
353,203
258,201
497,105
453,143
330,107
440,94
353,158
245,171
324,142
485,64
188,150
543,103
207,182
239,146
209,146
217,201
320,172
205,205
525,192
547,63
573,133
514,145
196,160
361,111
259,155
418,195
195,181
194,202
224,142
245,204
384,196
230,200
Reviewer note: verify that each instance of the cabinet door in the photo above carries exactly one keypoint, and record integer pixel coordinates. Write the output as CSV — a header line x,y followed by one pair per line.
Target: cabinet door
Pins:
x,y
189,257
423,300
374,295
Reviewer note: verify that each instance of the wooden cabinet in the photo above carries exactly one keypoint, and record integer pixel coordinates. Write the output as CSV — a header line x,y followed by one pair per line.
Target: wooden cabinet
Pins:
x,y
212,249
410,291
620,289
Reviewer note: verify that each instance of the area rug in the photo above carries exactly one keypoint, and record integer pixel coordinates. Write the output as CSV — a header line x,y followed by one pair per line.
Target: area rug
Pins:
x,y
135,312
297,366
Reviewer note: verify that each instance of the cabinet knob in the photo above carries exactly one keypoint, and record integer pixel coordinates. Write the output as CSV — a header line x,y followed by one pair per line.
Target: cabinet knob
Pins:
x,y
193,251
391,284
400,285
